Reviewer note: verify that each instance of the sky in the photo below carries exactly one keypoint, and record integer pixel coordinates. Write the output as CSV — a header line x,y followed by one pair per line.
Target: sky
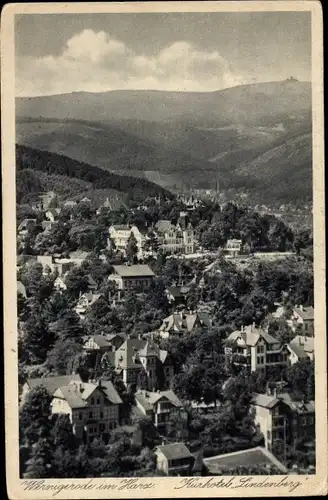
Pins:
x,y
59,53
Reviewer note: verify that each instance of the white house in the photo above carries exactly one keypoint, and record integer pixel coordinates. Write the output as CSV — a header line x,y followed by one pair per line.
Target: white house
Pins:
x,y
120,235
233,247
159,406
255,349
301,348
93,408
303,317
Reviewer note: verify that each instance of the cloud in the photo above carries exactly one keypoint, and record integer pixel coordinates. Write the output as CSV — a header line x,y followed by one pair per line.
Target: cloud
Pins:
x,y
95,61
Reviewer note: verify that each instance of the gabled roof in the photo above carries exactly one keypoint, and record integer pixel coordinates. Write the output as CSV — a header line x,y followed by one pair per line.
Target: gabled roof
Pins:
x,y
25,222
133,270
134,348
302,346
148,399
174,451
178,291
306,313
250,335
101,340
298,406
71,395
265,401
162,226
78,399
185,321
254,456
52,383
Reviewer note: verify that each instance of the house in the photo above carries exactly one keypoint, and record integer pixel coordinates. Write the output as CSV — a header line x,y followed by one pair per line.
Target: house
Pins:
x,y
52,214
104,343
175,239
301,348
282,418
227,463
136,358
98,343
50,383
47,225
180,323
233,247
50,264
303,319
84,302
120,235
59,284
174,459
45,200
255,349
127,277
70,204
177,295
93,408
160,406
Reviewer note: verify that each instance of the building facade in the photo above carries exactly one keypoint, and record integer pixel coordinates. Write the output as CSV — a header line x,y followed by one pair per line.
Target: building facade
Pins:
x,y
132,277
93,408
176,239
255,349
120,235
160,406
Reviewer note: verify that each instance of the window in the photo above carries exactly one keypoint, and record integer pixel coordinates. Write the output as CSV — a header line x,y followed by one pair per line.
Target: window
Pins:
x,y
303,420
92,401
90,414
98,401
101,415
101,427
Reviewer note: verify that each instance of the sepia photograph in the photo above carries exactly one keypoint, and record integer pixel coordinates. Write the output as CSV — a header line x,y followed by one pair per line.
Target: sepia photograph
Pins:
x,y
164,237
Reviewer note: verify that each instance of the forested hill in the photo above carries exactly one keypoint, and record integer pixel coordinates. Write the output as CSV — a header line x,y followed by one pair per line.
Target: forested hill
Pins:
x,y
75,173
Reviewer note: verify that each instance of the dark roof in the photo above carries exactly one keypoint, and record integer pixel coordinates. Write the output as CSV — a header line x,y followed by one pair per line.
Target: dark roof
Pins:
x,y
174,451
251,335
53,383
245,458
178,291
147,399
77,399
101,340
133,270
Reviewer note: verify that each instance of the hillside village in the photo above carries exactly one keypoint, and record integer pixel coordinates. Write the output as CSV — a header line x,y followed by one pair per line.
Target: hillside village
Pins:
x,y
167,337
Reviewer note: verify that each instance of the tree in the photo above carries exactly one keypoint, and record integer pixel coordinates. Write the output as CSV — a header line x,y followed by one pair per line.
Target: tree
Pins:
x,y
61,356
62,432
77,283
132,249
67,326
34,416
40,463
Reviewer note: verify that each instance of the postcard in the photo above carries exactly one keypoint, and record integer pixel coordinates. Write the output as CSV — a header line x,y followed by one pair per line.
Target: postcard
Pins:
x,y
164,249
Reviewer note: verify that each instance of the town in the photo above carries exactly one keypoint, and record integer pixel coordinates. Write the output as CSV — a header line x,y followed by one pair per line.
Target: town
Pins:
x,y
171,337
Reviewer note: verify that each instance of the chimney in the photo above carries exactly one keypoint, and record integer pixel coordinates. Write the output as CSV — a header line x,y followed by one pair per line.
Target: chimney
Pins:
x,y
301,307
275,392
